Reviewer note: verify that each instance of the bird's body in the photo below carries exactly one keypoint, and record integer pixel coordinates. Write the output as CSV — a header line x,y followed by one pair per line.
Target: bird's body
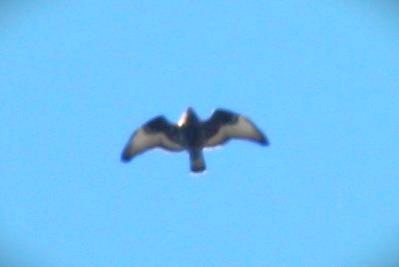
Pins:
x,y
192,134
192,140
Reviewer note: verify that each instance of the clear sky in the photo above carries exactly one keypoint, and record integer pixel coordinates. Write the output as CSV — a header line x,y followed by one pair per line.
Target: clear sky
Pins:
x,y
320,78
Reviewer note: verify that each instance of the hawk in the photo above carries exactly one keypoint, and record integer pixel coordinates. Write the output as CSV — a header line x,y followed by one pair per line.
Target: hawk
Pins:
x,y
192,134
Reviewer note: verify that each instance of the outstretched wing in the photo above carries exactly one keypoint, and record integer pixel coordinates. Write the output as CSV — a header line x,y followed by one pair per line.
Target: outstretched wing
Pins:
x,y
224,125
157,132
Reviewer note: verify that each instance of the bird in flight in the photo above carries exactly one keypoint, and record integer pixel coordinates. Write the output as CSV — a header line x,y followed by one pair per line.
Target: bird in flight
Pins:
x,y
192,134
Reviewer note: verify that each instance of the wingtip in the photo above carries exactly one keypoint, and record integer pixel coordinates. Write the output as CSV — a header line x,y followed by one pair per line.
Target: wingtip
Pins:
x,y
125,158
264,141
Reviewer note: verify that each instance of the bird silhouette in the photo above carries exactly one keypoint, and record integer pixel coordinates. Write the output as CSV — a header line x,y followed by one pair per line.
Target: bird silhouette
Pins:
x,y
192,134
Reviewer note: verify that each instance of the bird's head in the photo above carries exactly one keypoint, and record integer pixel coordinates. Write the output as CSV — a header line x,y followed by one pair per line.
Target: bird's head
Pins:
x,y
188,117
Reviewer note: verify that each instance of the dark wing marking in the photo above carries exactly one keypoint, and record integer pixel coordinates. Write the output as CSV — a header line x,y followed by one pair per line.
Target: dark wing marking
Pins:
x,y
224,125
157,132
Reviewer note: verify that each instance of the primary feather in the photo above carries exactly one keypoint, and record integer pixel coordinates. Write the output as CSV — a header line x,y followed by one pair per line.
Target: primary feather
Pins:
x,y
158,132
224,125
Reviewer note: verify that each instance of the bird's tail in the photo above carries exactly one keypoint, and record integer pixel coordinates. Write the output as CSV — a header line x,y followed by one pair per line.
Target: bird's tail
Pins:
x,y
197,162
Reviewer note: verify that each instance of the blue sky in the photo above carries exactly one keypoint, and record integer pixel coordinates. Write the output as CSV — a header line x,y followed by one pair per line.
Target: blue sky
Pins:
x,y
318,77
